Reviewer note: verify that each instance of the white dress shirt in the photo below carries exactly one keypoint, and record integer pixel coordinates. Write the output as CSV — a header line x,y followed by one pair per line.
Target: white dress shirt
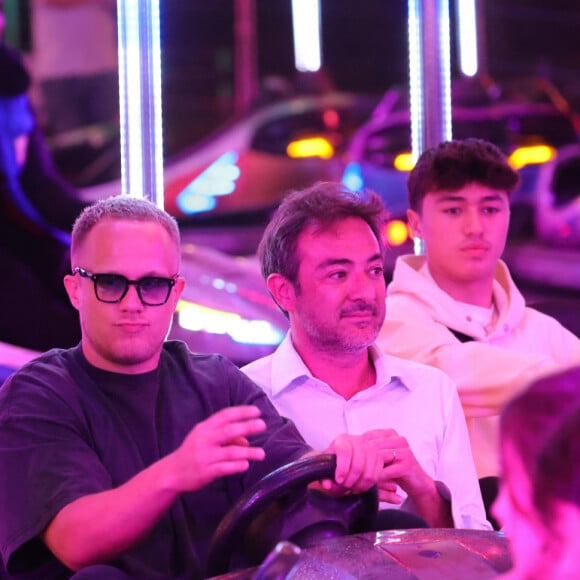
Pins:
x,y
418,401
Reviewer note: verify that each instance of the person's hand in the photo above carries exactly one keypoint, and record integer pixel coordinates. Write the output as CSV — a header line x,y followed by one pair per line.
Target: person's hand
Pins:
x,y
217,447
400,467
358,465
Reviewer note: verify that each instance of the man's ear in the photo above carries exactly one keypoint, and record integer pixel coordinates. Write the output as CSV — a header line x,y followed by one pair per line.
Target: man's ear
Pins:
x,y
177,291
282,290
71,284
414,221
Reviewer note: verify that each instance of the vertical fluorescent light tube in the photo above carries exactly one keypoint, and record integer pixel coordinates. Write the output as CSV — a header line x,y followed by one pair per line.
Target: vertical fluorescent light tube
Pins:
x,y
445,56
415,78
306,30
467,24
140,99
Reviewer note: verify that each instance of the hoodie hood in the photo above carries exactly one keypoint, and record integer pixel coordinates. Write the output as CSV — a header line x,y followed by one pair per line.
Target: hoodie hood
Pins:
x,y
410,281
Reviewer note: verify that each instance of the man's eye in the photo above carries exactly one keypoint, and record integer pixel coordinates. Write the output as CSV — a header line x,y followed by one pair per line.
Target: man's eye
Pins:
x,y
152,283
110,282
337,275
377,271
491,210
452,210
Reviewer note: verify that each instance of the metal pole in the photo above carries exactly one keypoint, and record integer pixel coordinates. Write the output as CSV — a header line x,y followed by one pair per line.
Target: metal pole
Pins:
x,y
140,99
245,55
430,76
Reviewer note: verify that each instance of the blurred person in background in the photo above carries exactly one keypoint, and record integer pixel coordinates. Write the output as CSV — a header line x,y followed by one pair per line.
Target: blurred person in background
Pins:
x,y
456,307
37,209
322,256
539,500
76,62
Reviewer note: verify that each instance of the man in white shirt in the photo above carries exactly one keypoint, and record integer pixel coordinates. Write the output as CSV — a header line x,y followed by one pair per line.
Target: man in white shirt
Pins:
x,y
322,257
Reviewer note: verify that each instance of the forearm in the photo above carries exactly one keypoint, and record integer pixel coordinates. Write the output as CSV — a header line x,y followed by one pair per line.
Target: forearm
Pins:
x,y
99,527
433,507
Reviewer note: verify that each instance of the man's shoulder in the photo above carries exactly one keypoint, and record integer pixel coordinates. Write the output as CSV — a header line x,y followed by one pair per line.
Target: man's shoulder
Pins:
x,y
55,360
260,371
258,365
416,375
176,354
46,377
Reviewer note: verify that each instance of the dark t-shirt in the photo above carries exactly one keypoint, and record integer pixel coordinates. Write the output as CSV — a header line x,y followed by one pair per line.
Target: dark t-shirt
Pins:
x,y
68,429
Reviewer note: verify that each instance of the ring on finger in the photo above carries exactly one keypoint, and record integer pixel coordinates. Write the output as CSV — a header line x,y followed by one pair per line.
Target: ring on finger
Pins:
x,y
394,455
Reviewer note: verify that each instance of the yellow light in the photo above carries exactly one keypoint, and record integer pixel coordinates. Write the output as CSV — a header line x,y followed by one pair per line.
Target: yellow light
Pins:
x,y
313,147
404,162
396,232
534,154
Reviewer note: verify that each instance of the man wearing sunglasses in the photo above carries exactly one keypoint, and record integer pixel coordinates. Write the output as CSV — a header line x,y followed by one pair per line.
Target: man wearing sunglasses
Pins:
x,y
128,449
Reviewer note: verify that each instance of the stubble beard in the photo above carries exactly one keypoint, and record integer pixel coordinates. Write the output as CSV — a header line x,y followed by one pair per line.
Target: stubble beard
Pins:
x,y
335,340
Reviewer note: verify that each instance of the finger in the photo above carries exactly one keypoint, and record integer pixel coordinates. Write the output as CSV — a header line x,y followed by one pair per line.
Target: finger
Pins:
x,y
342,446
233,414
242,441
329,487
236,453
380,437
388,485
232,431
373,469
224,468
390,497
365,465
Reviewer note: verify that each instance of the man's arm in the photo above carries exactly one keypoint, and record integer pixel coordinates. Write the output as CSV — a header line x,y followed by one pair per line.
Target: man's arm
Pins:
x,y
101,526
402,468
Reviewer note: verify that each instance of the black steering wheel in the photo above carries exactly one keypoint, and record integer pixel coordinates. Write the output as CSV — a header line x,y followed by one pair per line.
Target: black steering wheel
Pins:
x,y
280,507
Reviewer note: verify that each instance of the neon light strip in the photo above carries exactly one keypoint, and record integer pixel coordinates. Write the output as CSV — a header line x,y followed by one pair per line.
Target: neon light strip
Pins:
x,y
415,78
140,99
306,30
445,56
467,25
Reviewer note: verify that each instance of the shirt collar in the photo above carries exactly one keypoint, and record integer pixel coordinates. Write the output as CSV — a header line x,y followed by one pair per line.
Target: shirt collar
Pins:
x,y
288,367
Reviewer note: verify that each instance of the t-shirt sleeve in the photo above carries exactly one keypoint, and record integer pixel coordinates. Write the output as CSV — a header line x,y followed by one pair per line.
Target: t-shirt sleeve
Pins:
x,y
45,462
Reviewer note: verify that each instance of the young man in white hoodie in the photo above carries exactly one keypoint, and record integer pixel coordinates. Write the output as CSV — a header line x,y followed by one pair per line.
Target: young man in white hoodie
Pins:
x,y
457,307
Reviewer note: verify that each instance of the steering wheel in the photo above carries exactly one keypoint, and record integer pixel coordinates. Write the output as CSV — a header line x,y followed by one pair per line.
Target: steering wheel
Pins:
x,y
280,507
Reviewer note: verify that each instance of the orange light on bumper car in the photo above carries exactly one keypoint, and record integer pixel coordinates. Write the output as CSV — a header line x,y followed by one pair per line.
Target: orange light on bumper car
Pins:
x,y
530,155
404,162
396,233
312,147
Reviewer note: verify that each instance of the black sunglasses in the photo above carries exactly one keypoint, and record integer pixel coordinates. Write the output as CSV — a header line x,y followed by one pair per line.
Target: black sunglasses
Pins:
x,y
111,288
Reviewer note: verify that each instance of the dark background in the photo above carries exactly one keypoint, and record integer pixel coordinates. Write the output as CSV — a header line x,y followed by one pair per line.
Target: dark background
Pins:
x,y
364,49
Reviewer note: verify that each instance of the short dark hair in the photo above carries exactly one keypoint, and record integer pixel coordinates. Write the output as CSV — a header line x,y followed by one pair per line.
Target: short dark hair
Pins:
x,y
322,204
452,165
121,207
543,425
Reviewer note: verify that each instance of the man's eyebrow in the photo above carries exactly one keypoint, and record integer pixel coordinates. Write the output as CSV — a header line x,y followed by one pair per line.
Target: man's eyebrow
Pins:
x,y
330,262
333,262
460,198
449,197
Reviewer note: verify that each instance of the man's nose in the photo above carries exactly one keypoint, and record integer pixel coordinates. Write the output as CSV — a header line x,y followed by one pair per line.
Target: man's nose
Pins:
x,y
472,222
362,285
131,298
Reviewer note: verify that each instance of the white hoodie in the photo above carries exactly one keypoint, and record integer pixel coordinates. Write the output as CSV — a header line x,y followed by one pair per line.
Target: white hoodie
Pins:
x,y
493,364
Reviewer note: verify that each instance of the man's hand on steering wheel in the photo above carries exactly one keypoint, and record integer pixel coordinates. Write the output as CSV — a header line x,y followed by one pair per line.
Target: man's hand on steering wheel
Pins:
x,y
359,464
